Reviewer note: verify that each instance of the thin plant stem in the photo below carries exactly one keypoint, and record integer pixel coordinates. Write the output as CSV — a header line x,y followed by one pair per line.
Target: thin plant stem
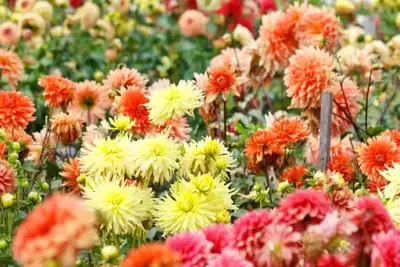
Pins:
x,y
225,122
366,101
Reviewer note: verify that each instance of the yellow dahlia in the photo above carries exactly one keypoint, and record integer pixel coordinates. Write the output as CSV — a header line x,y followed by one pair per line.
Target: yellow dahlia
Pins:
x,y
108,156
207,156
392,175
123,208
155,159
174,102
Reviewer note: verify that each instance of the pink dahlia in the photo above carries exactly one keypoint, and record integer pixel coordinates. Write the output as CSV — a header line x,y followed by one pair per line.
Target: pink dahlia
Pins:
x,y
124,77
329,260
310,72
7,178
277,42
193,248
319,27
179,129
220,235
230,258
303,208
248,232
386,249
193,23
282,246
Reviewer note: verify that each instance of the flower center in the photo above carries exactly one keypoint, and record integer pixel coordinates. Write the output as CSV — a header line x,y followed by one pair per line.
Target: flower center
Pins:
x,y
7,32
379,158
114,198
158,150
88,102
223,81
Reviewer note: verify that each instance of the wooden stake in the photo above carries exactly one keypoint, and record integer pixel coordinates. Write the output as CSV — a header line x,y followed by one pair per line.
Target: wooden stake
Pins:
x,y
325,130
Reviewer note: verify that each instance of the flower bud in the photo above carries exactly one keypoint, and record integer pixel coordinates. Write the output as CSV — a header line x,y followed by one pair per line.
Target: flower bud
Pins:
x,y
257,187
223,217
78,262
109,252
52,263
45,187
2,134
283,186
3,244
7,200
24,183
344,7
398,21
111,54
34,197
12,157
98,76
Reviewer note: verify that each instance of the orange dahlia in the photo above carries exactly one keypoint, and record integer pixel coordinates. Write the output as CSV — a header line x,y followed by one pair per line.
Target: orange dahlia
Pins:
x,y
90,101
11,67
346,97
124,77
157,255
58,91
277,42
70,173
16,110
319,27
263,145
394,135
294,14
222,79
289,130
8,179
310,72
378,154
132,103
67,127
55,231
295,174
342,163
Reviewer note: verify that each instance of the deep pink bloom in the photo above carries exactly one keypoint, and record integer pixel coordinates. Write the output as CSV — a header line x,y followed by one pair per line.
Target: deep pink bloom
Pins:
x,y
193,248
230,258
303,208
329,260
220,235
386,250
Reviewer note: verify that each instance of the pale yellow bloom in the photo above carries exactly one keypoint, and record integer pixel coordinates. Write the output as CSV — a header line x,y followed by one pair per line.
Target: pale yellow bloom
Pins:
x,y
121,123
44,9
392,175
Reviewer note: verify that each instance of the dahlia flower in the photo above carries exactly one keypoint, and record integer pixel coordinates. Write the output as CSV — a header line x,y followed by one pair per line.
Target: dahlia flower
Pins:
x,y
207,156
277,42
58,91
155,159
248,233
70,174
378,154
32,25
193,248
295,174
392,175
240,59
90,101
289,130
88,15
328,260
67,127
159,84
303,208
92,133
394,135
121,123
310,72
40,144
124,208
342,163
193,23
220,235
23,6
16,110
229,258
11,67
55,231
174,102
124,77
385,249
179,129
9,33
152,255
8,178
108,156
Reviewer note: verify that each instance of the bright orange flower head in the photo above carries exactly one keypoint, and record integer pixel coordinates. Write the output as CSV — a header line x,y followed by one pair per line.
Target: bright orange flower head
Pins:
x,y
11,67
157,255
132,103
90,101
394,136
16,110
124,77
378,154
319,27
70,173
55,231
295,174
310,72
277,41
289,130
67,127
342,163
58,91
263,145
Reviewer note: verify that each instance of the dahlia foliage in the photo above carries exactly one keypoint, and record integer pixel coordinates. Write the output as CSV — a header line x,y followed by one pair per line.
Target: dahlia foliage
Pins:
x,y
166,133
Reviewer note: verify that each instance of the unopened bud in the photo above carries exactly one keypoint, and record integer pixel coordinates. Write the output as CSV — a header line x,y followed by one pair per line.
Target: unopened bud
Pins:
x,y
16,146
109,252
3,244
45,187
34,197
283,186
7,200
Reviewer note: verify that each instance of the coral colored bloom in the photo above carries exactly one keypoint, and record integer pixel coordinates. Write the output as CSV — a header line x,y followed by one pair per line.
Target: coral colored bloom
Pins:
x,y
229,258
159,85
193,248
346,96
310,72
16,110
152,255
58,91
248,232
342,163
179,129
386,249
394,135
295,174
90,101
193,23
67,127
55,231
378,154
289,130
303,208
220,235
124,77
8,179
11,67
319,27
132,104
92,133
9,33
277,42
70,173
